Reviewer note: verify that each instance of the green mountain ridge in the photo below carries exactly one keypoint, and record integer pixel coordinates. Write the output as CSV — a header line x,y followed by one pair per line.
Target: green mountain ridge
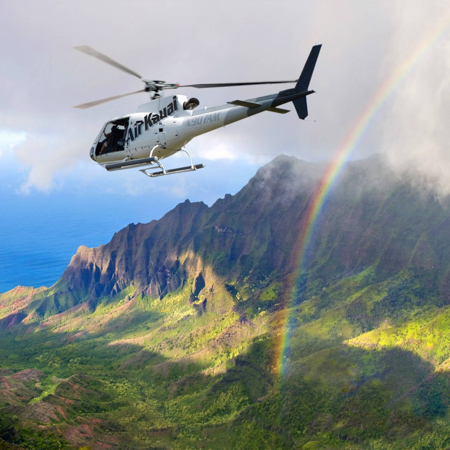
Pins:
x,y
165,337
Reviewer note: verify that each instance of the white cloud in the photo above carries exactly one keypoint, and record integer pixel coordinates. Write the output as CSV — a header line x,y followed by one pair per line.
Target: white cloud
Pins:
x,y
415,133
41,77
10,139
44,156
213,151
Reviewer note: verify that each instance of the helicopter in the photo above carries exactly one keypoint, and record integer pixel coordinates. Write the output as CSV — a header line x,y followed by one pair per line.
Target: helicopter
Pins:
x,y
162,127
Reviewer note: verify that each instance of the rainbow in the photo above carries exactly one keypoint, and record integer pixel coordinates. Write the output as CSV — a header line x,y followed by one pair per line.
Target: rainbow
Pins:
x,y
343,154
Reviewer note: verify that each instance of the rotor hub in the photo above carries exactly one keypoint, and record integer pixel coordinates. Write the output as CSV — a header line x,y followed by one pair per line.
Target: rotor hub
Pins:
x,y
156,86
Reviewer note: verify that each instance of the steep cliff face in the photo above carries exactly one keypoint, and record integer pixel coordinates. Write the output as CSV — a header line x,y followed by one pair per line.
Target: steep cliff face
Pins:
x,y
372,219
144,255
241,235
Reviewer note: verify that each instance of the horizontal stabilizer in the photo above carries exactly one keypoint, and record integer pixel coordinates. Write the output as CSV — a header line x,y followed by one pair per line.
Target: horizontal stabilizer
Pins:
x,y
247,104
244,103
279,110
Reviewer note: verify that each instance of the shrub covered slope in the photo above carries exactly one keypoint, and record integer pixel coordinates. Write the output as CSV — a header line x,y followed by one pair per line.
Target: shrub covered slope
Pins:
x,y
165,337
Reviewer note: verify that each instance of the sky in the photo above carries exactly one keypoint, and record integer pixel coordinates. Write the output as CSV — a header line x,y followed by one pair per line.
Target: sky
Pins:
x,y
44,141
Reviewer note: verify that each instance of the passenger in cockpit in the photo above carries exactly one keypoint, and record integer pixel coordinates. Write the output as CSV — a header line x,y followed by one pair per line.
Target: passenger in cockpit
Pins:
x,y
107,141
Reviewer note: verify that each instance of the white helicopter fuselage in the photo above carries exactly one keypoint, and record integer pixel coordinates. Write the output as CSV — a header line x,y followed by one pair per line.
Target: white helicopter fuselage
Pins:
x,y
161,125
165,125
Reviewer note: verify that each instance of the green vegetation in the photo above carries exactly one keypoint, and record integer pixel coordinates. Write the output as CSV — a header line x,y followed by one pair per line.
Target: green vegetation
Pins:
x,y
158,373
167,339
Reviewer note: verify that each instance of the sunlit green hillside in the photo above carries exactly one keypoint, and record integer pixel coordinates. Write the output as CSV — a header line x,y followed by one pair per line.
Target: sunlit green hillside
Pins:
x,y
165,338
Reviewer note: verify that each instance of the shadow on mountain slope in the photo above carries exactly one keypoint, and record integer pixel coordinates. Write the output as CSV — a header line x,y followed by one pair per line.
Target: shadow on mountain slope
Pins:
x,y
175,320
340,395
346,397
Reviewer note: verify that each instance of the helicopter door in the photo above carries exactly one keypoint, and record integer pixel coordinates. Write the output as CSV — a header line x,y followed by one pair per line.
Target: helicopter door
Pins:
x,y
171,131
161,136
134,145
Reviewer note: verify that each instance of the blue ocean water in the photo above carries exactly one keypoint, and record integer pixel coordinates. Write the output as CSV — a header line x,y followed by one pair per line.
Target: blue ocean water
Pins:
x,y
40,232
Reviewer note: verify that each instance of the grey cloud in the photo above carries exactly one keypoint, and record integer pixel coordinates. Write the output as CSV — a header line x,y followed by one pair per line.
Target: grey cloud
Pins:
x,y
415,132
41,77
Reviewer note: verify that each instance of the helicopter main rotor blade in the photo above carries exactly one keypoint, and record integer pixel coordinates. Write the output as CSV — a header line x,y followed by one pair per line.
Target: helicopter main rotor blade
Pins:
x,y
106,59
214,85
104,100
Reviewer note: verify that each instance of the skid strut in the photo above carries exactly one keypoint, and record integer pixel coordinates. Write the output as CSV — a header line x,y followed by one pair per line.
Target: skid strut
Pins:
x,y
165,171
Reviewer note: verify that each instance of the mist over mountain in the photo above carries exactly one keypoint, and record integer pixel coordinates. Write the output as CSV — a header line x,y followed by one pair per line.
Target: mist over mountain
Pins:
x,y
165,336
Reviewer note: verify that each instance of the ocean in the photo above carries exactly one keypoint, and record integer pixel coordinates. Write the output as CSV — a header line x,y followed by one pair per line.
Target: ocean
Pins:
x,y
40,232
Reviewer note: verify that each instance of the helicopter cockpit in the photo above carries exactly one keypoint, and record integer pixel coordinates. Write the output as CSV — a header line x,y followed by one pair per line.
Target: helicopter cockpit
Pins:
x,y
112,137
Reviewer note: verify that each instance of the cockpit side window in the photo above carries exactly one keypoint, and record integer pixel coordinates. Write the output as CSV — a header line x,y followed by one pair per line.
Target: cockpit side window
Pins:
x,y
112,138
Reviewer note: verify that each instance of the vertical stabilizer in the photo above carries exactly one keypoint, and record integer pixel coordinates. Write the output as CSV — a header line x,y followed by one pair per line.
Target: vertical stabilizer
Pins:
x,y
303,82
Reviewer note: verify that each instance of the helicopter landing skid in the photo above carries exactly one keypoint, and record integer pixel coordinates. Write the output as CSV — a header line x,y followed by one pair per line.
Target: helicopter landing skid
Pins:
x,y
165,171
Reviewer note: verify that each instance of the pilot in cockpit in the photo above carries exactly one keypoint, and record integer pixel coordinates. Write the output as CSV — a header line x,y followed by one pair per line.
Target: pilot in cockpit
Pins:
x,y
106,143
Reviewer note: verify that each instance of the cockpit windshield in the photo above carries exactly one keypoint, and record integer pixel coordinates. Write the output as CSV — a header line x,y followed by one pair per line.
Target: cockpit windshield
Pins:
x,y
112,138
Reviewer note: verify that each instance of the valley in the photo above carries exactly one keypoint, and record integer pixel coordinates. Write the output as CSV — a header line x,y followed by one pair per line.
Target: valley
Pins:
x,y
168,336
